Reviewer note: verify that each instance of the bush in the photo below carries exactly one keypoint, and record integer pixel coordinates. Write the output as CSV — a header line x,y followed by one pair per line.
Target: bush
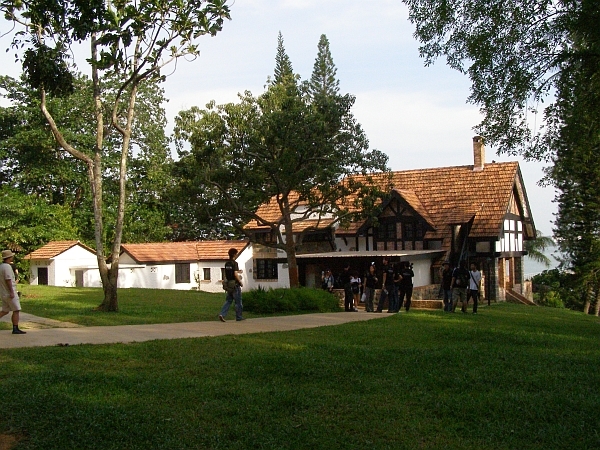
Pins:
x,y
264,301
553,300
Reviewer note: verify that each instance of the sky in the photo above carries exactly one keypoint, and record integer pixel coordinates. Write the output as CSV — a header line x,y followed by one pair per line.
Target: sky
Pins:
x,y
417,115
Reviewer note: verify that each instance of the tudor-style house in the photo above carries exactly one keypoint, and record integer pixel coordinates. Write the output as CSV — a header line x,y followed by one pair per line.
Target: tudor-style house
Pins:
x,y
479,213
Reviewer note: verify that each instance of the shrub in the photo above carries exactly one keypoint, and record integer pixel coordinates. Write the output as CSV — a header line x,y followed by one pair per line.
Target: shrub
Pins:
x,y
264,301
553,300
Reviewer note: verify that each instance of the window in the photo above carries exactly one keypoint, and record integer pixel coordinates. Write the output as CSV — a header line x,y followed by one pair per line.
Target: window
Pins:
x,y
409,231
386,231
316,236
266,269
206,274
264,237
182,273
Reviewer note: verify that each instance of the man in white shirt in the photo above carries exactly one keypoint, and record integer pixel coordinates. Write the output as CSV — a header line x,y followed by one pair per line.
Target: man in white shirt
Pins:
x,y
474,286
8,291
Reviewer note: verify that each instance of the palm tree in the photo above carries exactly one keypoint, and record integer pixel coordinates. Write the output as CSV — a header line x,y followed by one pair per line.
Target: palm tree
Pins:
x,y
535,248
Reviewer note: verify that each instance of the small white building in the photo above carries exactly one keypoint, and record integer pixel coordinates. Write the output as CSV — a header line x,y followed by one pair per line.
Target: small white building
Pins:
x,y
64,263
179,265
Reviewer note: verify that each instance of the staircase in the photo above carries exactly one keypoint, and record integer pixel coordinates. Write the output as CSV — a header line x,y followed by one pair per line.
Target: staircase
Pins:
x,y
515,297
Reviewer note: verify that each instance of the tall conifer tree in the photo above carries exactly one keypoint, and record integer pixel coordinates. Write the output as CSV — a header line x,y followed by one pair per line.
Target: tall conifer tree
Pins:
x,y
283,64
323,81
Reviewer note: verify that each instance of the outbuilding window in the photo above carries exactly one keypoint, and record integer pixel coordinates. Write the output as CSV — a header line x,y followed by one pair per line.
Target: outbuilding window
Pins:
x,y
182,273
266,269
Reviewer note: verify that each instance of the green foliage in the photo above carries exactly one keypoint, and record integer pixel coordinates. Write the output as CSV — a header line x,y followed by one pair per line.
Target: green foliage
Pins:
x,y
553,300
130,43
517,54
283,64
558,289
323,81
281,146
289,300
520,56
535,248
46,68
28,222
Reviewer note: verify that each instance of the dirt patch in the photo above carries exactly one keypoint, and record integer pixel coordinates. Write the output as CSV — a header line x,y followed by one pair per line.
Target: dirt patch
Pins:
x,y
8,441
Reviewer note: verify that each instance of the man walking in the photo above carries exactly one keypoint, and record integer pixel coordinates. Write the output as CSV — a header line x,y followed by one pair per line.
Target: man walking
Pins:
x,y
8,291
460,281
233,287
474,286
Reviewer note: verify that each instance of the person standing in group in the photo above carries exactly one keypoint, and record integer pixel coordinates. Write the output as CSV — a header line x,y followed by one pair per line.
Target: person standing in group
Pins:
x,y
327,281
388,288
460,282
447,286
369,287
355,286
406,284
8,291
474,286
233,287
345,281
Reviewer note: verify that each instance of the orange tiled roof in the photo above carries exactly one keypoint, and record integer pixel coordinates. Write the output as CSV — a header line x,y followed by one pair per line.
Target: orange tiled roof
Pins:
x,y
323,224
453,195
444,196
55,248
168,252
269,211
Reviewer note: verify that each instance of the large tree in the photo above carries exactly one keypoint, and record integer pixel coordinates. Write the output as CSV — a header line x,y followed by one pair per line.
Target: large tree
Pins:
x,y
33,162
521,56
285,146
130,42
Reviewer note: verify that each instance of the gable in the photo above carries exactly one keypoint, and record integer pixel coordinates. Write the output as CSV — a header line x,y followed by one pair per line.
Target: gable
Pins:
x,y
55,248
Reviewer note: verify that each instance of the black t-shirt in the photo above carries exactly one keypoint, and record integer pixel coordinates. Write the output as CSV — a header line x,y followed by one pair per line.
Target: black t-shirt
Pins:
x,y
231,267
370,280
345,277
407,276
389,279
461,278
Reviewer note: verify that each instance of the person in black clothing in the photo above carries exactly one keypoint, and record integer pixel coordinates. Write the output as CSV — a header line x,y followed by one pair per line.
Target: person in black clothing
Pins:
x,y
388,290
234,288
447,286
460,283
348,296
406,284
369,287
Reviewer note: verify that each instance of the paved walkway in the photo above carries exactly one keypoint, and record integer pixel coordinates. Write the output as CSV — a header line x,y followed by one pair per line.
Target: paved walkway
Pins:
x,y
63,333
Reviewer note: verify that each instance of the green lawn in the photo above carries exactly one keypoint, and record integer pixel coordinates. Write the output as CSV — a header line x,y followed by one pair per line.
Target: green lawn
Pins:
x,y
512,377
136,306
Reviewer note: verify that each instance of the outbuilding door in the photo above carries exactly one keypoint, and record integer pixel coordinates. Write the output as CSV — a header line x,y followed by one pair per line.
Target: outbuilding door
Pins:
x,y
43,276
79,278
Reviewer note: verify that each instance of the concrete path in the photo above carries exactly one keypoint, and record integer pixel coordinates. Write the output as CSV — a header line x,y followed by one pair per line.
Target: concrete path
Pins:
x,y
64,333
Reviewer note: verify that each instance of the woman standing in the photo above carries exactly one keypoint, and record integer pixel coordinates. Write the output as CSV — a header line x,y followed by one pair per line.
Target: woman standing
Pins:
x,y
369,287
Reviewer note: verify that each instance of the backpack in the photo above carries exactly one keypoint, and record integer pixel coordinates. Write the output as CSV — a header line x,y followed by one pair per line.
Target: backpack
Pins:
x,y
229,286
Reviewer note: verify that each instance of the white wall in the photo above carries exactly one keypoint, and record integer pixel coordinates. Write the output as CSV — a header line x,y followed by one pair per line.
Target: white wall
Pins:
x,y
422,270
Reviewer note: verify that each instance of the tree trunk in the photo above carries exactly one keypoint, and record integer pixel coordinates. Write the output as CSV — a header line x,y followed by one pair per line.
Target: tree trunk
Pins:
x,y
292,264
597,305
587,303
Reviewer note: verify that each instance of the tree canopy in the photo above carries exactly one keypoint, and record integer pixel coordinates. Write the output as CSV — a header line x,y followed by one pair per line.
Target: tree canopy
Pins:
x,y
284,146
522,56
129,44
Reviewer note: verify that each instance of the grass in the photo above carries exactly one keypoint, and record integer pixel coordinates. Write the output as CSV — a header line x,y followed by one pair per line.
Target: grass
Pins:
x,y
512,377
136,306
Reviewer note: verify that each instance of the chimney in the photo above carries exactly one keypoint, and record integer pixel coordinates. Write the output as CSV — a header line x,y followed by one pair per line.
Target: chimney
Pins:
x,y
478,154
